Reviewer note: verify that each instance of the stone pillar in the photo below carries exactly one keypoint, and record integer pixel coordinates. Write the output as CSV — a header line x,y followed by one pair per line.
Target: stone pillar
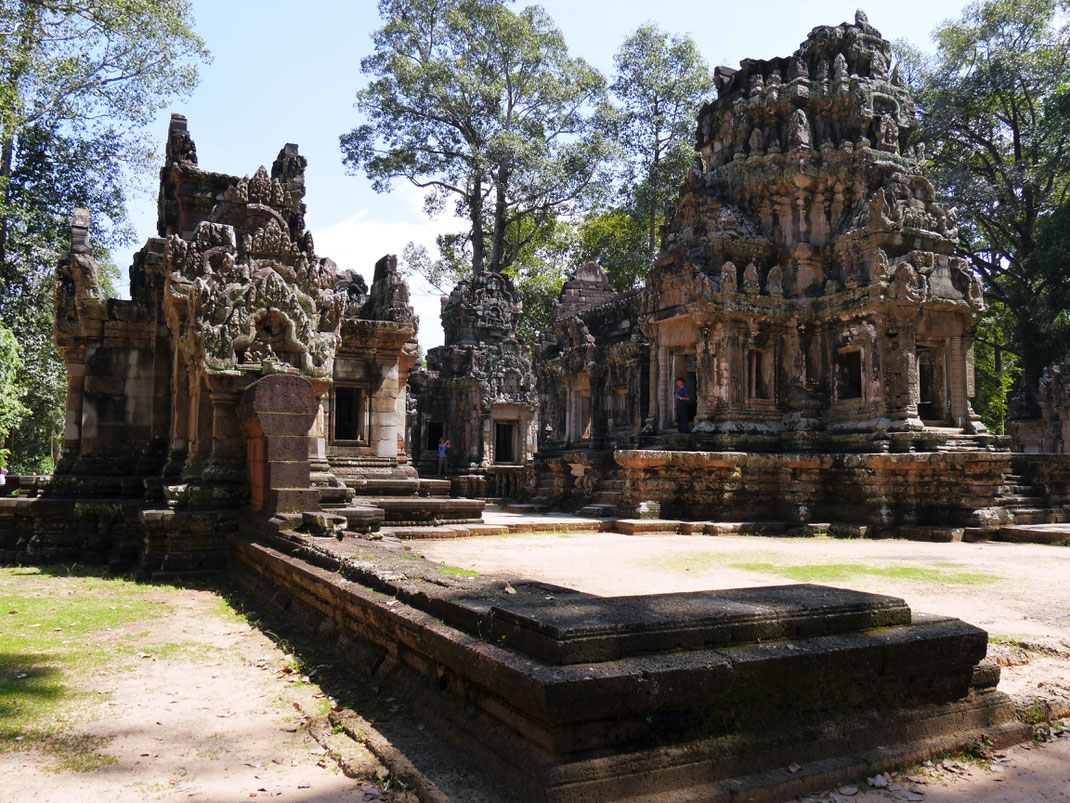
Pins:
x,y
72,424
956,373
384,413
317,441
276,414
650,422
180,419
568,414
664,388
228,452
200,429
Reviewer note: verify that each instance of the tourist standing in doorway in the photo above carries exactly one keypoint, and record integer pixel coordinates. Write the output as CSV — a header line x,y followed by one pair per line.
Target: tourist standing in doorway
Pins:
x,y
443,447
683,398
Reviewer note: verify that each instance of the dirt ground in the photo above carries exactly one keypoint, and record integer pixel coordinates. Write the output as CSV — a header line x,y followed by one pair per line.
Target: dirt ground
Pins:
x,y
208,709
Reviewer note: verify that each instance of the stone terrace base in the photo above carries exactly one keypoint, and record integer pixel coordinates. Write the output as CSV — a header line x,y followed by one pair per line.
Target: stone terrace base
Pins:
x,y
707,696
887,493
117,533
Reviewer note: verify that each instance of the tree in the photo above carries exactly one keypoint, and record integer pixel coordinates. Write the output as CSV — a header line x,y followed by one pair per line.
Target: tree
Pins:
x,y
996,109
616,239
12,410
484,107
538,270
78,80
660,84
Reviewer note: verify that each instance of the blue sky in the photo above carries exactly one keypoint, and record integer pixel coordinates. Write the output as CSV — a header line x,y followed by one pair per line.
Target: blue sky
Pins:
x,y
287,72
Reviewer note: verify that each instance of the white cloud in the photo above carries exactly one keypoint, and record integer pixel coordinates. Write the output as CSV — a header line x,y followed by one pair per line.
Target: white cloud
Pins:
x,y
357,243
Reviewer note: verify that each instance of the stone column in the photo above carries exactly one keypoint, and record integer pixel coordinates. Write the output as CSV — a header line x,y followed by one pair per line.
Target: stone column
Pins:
x,y
568,414
956,373
180,418
384,413
650,422
72,423
664,388
200,429
317,441
276,413
227,461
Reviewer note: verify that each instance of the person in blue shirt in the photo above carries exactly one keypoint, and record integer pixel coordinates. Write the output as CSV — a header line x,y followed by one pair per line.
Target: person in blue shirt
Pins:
x,y
443,446
683,397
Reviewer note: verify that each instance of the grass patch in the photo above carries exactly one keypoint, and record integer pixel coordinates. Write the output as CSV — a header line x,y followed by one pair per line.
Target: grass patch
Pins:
x,y
62,626
769,563
452,570
845,572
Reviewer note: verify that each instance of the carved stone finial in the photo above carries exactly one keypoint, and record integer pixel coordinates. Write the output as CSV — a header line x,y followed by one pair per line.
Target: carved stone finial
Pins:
x,y
756,141
888,134
750,278
799,130
878,66
839,68
80,232
729,281
774,281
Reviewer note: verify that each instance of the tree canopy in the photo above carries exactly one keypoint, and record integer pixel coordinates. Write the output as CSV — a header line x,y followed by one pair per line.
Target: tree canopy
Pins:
x,y
483,107
660,83
996,113
78,81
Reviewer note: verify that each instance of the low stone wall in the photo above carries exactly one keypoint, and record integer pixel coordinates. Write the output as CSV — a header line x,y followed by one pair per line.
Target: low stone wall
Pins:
x,y
705,696
881,490
118,533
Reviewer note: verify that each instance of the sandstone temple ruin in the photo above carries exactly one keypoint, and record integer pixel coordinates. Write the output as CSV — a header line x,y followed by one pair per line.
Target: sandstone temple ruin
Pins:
x,y
256,410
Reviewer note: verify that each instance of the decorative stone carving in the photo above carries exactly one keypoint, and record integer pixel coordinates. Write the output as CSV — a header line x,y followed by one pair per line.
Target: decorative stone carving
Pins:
x,y
750,278
799,130
728,278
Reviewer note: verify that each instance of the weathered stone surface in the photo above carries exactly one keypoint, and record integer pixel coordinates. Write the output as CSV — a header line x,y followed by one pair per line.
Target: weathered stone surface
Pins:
x,y
478,392
278,406
1048,430
574,697
231,292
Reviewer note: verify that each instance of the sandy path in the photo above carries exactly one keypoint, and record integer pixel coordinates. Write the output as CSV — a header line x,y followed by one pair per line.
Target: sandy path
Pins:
x,y
211,717
1026,597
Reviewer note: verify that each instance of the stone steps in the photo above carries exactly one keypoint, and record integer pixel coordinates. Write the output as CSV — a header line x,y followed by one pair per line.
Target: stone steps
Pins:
x,y
606,498
526,507
598,511
422,510
1035,533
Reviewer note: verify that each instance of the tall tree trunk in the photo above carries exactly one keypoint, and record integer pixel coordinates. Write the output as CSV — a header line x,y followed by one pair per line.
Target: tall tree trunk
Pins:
x,y
475,212
6,157
652,244
497,245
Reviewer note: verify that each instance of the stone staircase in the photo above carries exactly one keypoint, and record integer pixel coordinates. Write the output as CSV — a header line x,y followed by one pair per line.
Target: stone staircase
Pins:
x,y
404,499
606,497
1035,515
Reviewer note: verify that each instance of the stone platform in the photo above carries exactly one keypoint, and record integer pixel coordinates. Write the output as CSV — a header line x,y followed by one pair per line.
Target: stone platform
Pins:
x,y
702,696
922,495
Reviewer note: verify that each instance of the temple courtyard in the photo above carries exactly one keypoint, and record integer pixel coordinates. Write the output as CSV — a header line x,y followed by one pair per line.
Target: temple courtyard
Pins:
x,y
192,693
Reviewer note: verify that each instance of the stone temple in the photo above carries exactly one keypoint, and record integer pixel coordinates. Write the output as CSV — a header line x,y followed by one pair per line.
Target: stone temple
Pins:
x,y
248,410
808,294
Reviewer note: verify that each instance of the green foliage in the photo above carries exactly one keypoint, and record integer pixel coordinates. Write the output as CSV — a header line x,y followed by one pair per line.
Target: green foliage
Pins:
x,y
660,83
996,368
483,107
617,239
78,80
12,392
996,109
